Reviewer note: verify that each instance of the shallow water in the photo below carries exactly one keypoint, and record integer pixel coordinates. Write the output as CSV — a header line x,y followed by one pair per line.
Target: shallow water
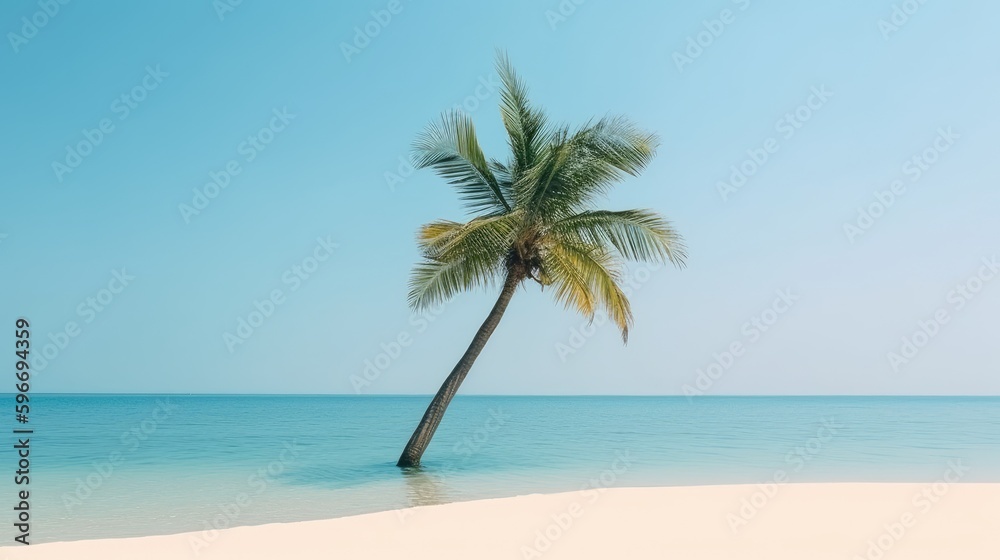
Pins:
x,y
124,465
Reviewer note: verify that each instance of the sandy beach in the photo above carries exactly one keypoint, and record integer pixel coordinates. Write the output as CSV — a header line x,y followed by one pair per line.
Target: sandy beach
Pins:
x,y
776,522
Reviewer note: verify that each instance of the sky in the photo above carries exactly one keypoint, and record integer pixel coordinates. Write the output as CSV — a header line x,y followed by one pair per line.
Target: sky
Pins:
x,y
213,197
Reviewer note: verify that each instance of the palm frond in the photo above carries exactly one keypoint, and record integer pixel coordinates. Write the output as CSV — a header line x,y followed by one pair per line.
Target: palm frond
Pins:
x,y
526,126
588,277
436,234
455,255
577,167
639,235
486,237
452,149
433,282
618,142
572,289
505,179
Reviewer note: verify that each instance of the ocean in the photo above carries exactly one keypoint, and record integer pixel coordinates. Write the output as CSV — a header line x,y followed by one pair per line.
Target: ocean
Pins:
x,y
133,465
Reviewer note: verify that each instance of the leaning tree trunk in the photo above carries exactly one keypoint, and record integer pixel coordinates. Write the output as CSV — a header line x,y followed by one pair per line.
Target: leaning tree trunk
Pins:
x,y
435,411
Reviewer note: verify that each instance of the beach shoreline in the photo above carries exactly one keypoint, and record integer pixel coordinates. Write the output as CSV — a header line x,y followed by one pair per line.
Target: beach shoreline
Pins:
x,y
774,521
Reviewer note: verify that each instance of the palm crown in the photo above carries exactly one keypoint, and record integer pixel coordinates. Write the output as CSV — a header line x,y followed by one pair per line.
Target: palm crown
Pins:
x,y
534,214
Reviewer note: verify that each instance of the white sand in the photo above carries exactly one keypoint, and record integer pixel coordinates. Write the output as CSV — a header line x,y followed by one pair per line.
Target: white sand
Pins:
x,y
800,522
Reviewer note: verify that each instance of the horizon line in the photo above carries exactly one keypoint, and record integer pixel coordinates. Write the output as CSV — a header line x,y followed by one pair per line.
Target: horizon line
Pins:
x,y
376,395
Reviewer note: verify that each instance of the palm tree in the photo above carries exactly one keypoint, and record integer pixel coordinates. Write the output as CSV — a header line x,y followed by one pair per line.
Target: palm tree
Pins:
x,y
534,219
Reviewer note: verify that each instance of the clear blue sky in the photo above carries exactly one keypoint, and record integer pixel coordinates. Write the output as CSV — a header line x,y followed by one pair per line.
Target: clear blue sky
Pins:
x,y
197,86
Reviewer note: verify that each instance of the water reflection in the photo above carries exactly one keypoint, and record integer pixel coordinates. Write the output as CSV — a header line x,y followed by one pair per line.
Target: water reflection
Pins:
x,y
426,488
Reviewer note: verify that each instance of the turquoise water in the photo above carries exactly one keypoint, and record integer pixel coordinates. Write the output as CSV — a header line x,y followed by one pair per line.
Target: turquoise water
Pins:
x,y
117,465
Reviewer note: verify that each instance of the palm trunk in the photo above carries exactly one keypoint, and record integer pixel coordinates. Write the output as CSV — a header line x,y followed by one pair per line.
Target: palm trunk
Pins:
x,y
435,411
